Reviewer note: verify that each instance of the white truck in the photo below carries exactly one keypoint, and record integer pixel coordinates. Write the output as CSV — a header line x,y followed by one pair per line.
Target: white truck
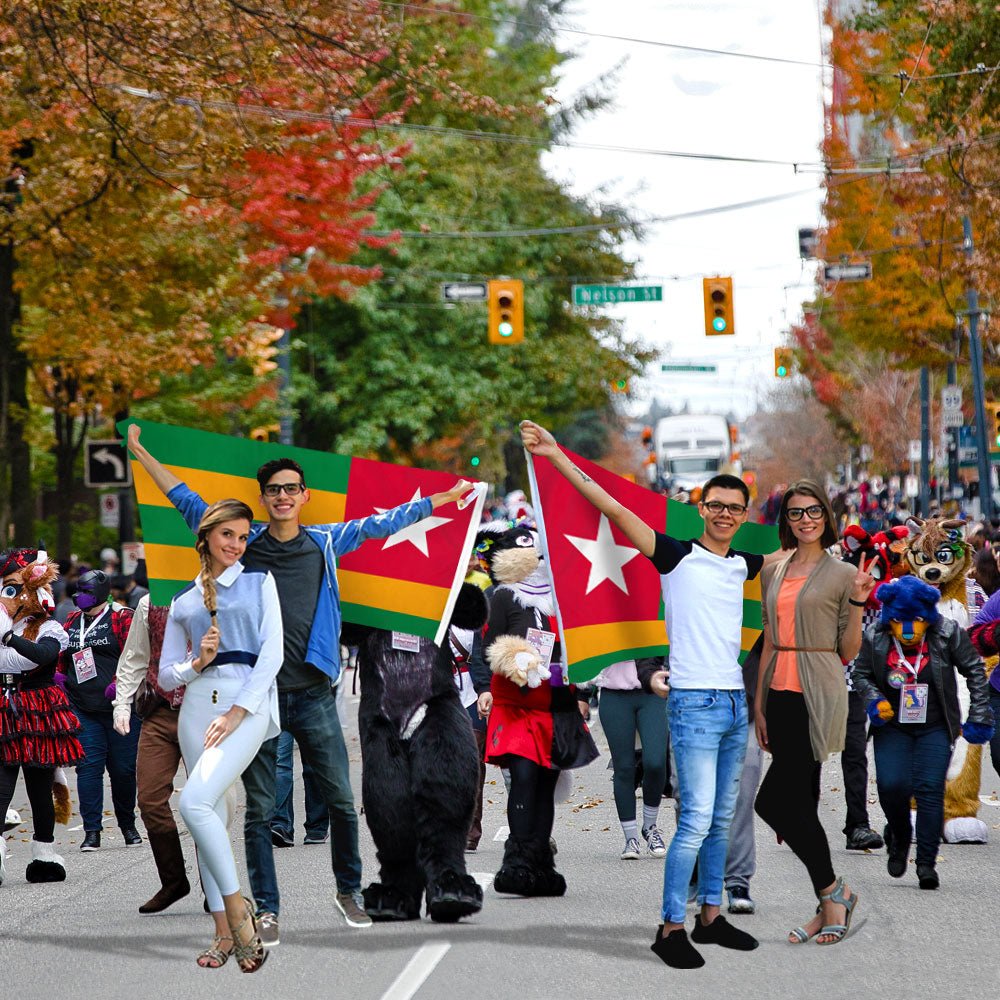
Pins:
x,y
691,448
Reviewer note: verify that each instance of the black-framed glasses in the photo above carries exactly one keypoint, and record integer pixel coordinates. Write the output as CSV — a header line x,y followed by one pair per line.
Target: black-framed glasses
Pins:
x,y
814,512
275,489
717,507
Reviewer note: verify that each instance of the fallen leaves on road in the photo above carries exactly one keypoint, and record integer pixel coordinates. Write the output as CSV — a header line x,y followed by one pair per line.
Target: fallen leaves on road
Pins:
x,y
589,804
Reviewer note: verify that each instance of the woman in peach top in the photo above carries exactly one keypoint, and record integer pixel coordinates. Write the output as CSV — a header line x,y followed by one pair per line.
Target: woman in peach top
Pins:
x,y
811,607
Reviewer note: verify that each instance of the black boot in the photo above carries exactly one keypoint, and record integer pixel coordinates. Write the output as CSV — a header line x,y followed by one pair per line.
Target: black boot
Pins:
x,y
897,853
548,882
452,896
517,875
169,858
388,902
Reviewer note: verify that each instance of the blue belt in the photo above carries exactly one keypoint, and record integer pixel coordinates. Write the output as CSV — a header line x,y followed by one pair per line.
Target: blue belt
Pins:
x,y
235,656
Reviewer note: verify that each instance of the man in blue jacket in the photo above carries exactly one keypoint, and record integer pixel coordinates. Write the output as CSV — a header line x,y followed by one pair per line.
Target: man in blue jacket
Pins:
x,y
303,561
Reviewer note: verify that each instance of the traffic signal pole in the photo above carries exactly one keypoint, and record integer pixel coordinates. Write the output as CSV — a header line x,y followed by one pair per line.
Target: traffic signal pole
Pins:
x,y
978,382
925,441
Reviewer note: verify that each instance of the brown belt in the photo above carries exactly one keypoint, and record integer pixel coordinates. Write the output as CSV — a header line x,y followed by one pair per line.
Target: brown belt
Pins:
x,y
803,649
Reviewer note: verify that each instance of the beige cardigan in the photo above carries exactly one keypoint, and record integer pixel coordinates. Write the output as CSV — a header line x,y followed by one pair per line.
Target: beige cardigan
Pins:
x,y
821,613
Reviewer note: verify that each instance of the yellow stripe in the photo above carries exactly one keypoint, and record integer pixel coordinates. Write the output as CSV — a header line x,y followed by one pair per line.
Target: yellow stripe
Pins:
x,y
176,562
323,507
419,599
751,589
594,640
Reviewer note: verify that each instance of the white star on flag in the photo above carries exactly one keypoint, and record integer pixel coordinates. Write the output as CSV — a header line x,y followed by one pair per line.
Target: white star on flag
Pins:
x,y
605,555
415,534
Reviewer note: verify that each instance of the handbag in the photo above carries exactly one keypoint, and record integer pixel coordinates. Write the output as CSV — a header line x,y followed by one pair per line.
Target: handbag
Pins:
x,y
146,699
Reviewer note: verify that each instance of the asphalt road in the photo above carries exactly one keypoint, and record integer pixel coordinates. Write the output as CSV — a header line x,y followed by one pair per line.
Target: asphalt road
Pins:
x,y
85,937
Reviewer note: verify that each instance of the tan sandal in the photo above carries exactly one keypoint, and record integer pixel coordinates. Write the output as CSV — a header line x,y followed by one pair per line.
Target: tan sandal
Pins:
x,y
252,952
215,957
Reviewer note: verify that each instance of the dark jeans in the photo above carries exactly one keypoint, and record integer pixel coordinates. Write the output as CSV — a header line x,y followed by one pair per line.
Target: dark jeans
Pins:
x,y
788,800
995,742
913,765
854,763
623,714
106,749
311,717
479,731
317,815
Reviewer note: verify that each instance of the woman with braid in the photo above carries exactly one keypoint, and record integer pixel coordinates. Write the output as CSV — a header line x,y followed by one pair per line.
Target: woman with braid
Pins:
x,y
224,642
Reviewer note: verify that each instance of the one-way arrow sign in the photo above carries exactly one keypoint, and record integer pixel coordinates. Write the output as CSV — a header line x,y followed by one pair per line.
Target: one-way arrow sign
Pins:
x,y
106,464
464,291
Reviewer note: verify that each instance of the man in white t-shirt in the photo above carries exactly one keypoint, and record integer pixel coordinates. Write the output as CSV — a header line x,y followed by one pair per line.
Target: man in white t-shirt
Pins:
x,y
702,584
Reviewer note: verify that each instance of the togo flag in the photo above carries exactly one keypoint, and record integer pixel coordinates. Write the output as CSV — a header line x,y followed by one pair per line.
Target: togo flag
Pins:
x,y
608,597
407,582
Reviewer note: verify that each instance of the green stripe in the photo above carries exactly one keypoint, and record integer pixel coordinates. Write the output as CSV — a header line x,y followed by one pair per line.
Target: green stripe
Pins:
x,y
361,614
751,615
161,592
164,526
236,456
589,668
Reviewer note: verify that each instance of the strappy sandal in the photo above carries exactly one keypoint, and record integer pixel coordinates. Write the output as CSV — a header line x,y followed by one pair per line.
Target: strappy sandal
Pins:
x,y
801,935
838,931
252,953
214,957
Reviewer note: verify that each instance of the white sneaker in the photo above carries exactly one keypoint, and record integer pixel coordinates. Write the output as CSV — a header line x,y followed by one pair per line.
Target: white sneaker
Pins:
x,y
632,850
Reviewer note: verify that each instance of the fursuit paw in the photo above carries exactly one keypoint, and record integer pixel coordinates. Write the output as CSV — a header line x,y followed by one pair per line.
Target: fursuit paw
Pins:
x,y
453,896
386,902
515,658
879,711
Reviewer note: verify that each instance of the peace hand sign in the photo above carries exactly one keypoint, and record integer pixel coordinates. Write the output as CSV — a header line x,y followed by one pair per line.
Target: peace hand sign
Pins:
x,y
864,582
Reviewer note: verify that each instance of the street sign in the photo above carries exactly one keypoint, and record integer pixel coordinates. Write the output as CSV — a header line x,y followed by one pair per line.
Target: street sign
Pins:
x,y
867,453
968,451
911,487
110,510
599,295
132,552
106,464
688,368
914,453
951,397
848,272
463,291
952,418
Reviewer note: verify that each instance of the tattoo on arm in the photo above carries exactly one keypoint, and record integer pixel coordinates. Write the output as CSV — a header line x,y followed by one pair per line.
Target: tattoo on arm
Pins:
x,y
583,475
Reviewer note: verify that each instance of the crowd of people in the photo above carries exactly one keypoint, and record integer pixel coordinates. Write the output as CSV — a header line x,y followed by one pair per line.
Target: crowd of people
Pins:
x,y
247,662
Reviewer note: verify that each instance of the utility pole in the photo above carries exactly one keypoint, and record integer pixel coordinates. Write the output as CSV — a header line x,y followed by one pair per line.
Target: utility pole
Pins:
x,y
953,482
978,381
925,440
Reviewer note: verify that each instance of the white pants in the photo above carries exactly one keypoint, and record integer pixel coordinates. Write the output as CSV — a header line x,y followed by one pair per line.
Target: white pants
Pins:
x,y
203,801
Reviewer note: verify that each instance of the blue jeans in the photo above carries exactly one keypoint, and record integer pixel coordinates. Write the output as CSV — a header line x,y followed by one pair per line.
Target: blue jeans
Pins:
x,y
708,734
106,749
317,815
311,718
911,764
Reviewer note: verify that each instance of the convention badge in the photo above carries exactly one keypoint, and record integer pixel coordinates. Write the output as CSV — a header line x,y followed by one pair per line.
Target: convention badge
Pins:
x,y
913,702
84,665
543,642
897,678
406,643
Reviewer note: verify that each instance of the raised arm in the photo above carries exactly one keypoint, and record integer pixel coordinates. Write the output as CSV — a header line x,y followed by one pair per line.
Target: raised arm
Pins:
x,y
540,443
160,475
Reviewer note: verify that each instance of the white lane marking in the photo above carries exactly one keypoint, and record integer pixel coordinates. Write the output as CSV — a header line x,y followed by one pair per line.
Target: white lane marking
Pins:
x,y
416,971
989,800
484,879
502,834
73,829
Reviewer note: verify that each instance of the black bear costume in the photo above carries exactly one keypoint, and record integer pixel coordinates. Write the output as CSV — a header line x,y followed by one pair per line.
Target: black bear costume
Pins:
x,y
420,771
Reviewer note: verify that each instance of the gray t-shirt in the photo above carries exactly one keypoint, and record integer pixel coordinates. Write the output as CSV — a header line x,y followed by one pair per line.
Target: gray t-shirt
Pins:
x,y
297,568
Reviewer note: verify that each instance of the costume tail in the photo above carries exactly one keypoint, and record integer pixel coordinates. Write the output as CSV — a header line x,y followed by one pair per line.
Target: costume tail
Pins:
x,y
60,796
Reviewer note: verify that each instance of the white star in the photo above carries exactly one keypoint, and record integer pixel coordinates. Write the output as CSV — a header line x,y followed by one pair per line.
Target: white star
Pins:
x,y
415,534
605,555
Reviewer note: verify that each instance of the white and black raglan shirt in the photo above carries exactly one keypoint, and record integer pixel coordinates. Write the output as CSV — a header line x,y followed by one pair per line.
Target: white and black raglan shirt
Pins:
x,y
703,611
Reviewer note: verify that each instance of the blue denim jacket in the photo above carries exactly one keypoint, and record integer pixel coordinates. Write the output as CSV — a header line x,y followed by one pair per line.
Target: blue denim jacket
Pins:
x,y
334,540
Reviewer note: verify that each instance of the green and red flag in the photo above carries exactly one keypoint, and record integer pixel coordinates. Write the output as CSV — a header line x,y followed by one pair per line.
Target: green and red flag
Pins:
x,y
407,582
608,595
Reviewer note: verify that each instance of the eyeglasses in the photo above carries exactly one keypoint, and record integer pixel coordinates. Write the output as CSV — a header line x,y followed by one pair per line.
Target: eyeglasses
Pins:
x,y
814,512
292,489
717,507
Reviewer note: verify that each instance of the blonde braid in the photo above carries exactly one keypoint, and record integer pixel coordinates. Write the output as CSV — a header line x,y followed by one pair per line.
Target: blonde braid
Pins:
x,y
207,580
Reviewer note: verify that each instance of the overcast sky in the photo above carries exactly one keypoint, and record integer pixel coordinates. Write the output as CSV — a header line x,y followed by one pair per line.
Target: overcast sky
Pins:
x,y
692,102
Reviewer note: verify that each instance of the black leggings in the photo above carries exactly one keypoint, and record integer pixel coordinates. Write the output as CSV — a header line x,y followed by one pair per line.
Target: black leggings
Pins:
x,y
788,800
38,782
531,808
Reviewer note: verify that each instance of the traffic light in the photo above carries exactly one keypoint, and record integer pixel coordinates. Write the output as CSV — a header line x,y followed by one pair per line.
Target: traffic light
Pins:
x,y
506,309
620,385
782,362
992,423
718,293
474,461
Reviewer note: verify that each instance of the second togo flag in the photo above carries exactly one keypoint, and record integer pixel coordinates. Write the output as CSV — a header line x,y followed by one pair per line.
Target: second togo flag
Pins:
x,y
608,594
407,582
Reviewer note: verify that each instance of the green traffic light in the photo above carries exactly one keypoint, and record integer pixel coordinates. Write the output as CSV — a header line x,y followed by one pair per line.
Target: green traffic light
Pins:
x,y
719,324
505,329
474,461
781,371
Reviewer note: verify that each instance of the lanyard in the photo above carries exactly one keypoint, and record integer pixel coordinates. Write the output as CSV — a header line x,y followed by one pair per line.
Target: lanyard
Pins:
x,y
84,632
904,662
